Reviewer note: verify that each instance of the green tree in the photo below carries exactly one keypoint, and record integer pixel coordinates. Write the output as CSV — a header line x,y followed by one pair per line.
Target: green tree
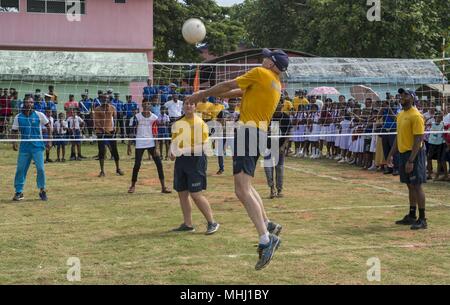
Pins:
x,y
223,33
408,28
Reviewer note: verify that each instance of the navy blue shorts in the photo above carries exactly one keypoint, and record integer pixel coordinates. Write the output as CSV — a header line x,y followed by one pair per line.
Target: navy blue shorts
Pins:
x,y
76,135
419,174
247,149
58,142
190,174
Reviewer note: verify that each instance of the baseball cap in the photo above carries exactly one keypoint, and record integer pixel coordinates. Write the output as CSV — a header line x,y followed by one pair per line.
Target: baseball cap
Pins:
x,y
280,59
409,92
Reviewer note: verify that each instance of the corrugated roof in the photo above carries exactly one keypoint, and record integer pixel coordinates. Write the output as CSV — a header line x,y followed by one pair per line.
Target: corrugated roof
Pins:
x,y
363,70
72,66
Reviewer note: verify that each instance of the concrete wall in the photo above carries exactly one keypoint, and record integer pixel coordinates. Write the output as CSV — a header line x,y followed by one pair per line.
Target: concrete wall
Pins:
x,y
105,26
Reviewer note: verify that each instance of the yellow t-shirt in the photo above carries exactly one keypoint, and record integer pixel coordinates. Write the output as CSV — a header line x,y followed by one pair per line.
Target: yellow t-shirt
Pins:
x,y
300,101
193,131
409,124
262,91
204,109
215,109
287,107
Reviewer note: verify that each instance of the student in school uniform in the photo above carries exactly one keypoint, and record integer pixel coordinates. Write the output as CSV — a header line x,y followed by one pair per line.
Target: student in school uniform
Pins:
x,y
299,122
75,124
164,132
314,139
345,138
60,132
189,141
46,135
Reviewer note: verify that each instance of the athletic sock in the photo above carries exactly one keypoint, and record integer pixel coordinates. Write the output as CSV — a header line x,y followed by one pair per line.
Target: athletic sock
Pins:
x,y
264,239
421,213
412,211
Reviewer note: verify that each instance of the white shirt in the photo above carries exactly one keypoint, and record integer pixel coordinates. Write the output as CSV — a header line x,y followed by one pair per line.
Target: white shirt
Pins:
x,y
447,119
174,109
50,121
61,127
144,130
74,122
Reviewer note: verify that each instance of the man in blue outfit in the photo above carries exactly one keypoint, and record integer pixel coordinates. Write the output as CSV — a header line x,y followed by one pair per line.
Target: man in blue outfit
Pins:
x,y
29,124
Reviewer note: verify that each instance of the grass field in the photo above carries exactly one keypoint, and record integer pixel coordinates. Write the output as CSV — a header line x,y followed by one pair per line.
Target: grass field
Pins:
x,y
335,218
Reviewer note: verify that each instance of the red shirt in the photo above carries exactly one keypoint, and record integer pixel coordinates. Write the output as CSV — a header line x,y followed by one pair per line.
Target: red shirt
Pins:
x,y
70,106
5,106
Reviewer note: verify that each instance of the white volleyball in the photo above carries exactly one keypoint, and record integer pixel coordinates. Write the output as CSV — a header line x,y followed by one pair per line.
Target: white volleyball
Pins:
x,y
193,31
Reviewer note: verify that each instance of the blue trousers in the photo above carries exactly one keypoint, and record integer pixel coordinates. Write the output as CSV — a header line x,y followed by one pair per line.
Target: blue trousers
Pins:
x,y
23,163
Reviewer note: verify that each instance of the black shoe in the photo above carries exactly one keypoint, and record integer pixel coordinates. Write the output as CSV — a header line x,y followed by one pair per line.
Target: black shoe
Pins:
x,y
82,157
266,252
43,195
395,173
72,158
101,175
280,194
18,197
420,224
274,228
388,171
407,220
119,172
184,228
212,228
273,193
219,172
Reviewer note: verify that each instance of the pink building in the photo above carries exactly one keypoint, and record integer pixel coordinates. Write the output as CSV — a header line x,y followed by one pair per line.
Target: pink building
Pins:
x,y
102,26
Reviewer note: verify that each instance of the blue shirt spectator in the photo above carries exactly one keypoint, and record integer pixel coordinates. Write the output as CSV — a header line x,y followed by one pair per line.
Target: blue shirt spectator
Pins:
x,y
150,91
85,105
130,108
389,119
40,105
118,104
163,91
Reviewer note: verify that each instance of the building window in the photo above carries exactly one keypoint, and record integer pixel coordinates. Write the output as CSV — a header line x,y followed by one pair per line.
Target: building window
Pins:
x,y
11,6
121,1
55,6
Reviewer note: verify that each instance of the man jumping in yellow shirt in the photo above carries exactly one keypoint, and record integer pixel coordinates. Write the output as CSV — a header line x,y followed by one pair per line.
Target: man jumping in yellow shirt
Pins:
x,y
260,89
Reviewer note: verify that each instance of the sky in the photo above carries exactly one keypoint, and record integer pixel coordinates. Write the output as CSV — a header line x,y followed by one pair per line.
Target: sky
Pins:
x,y
228,2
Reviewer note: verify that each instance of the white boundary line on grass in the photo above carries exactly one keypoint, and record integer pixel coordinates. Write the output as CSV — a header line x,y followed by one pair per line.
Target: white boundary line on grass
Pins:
x,y
379,188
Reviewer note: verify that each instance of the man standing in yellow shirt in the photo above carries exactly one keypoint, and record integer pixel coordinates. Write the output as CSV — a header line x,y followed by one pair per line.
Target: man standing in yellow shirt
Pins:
x,y
412,167
260,89
300,99
203,108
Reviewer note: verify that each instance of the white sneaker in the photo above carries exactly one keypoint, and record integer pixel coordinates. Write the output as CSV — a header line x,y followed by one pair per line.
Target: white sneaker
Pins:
x,y
352,161
373,168
342,161
338,157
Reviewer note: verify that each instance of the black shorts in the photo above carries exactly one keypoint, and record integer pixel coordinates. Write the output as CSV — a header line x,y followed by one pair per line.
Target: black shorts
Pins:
x,y
448,154
367,144
247,149
418,175
190,174
437,152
